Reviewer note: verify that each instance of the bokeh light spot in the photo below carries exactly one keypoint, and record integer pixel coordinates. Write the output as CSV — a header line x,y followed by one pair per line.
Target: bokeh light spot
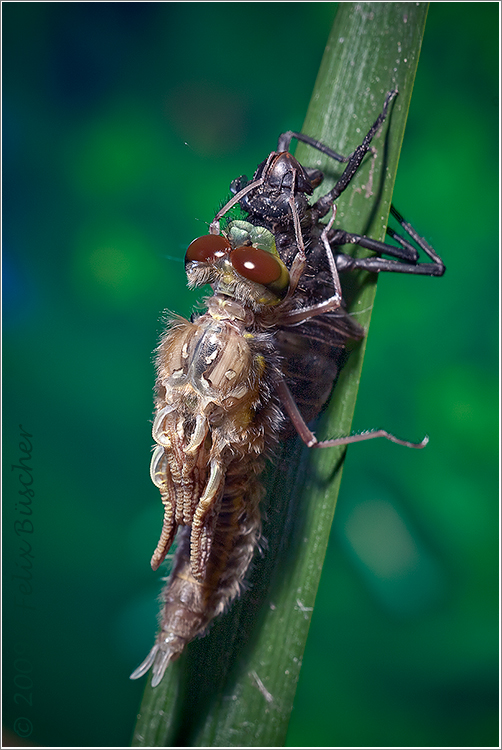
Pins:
x,y
115,154
369,524
114,265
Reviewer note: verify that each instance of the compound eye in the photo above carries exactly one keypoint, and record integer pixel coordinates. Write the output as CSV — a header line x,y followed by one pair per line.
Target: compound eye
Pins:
x,y
207,249
261,267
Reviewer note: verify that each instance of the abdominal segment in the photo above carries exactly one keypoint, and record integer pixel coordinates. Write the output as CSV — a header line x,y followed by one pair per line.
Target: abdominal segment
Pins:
x,y
189,603
216,417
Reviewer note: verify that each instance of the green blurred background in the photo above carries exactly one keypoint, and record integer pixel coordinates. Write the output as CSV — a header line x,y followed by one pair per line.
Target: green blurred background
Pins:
x,y
123,126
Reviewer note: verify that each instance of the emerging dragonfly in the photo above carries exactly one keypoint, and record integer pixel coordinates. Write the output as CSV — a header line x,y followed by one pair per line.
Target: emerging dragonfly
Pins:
x,y
262,358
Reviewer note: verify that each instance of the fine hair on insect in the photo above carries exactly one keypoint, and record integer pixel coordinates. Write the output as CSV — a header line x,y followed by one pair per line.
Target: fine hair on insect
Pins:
x,y
258,363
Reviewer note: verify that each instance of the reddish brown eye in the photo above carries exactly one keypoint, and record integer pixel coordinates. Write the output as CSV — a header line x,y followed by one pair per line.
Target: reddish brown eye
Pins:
x,y
256,264
208,248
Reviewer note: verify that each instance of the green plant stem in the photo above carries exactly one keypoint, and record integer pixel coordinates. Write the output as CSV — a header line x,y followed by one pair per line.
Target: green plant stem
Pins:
x,y
236,686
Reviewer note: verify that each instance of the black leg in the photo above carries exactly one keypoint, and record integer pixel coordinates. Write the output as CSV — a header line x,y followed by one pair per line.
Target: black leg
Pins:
x,y
421,242
324,204
376,265
286,138
405,253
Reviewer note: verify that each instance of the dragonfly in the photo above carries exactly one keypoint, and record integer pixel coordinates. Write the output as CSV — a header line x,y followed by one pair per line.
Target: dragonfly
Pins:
x,y
256,365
